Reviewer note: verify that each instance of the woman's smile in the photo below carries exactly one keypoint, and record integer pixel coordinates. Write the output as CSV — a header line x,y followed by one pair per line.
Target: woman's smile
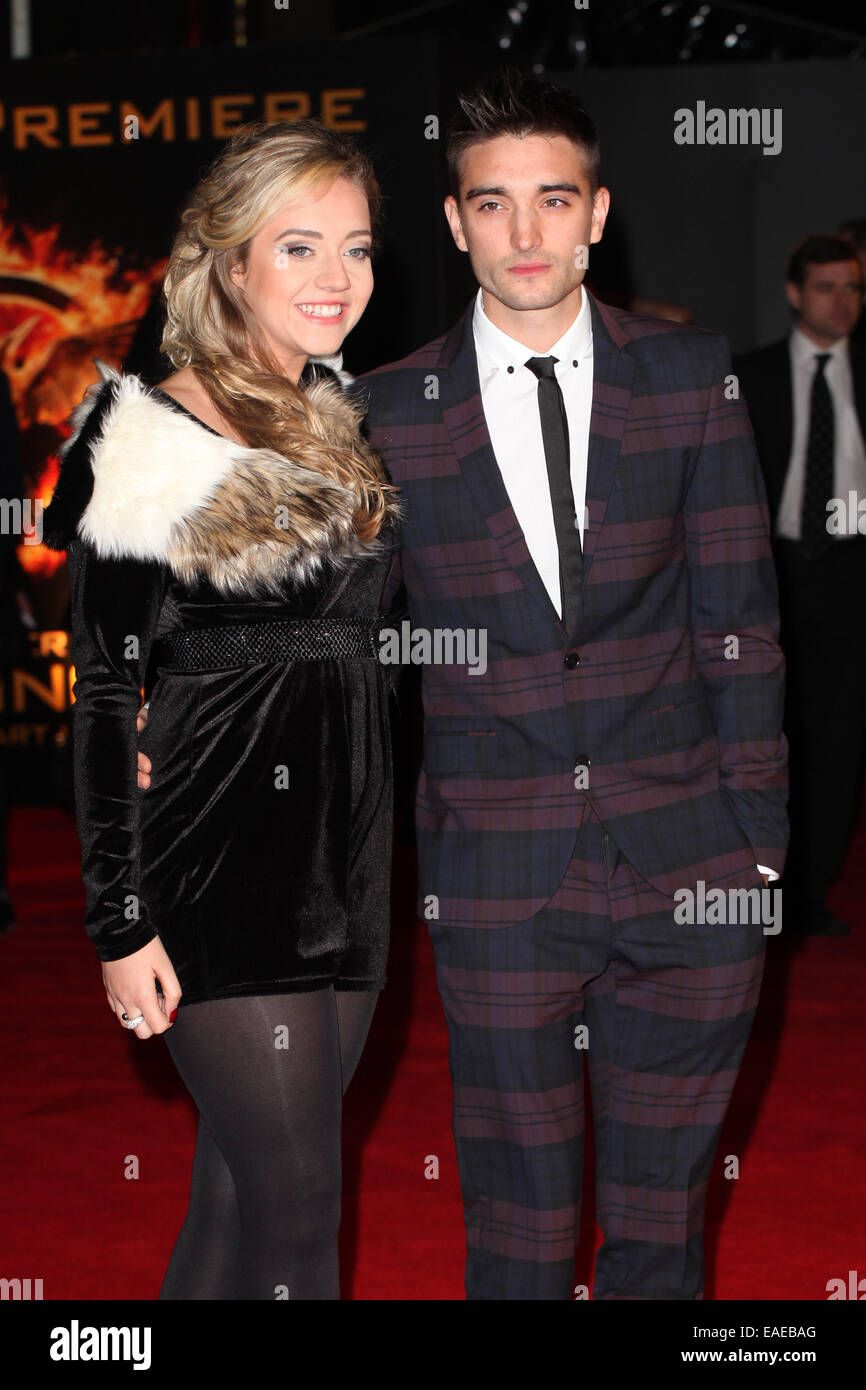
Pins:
x,y
329,310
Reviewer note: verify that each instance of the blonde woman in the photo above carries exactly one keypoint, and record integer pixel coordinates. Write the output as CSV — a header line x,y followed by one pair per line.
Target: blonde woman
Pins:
x,y
228,537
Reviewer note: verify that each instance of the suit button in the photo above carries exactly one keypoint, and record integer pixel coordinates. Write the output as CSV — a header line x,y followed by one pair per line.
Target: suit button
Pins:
x,y
572,659
582,760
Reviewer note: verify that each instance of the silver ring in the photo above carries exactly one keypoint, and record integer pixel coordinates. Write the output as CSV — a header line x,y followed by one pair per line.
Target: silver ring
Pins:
x,y
131,1022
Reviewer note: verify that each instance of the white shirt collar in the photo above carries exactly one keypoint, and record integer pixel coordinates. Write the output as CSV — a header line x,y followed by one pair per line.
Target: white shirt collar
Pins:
x,y
503,351
804,350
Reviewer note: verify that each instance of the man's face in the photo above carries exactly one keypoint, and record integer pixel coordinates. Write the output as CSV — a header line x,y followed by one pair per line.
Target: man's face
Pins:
x,y
527,218
828,302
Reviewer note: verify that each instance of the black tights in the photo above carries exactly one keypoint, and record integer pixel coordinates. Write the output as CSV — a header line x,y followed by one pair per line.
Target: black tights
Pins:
x,y
268,1075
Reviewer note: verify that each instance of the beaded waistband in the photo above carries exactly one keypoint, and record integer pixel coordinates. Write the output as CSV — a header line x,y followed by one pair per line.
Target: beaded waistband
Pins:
x,y
249,644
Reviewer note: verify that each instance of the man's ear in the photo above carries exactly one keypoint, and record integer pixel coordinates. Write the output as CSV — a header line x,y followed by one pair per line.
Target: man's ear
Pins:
x,y
452,212
600,209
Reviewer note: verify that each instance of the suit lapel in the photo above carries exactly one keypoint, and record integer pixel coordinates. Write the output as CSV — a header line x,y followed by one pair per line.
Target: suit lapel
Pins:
x,y
463,417
612,379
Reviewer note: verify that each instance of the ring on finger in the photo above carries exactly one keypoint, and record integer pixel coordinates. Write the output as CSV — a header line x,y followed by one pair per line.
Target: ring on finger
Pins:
x,y
131,1022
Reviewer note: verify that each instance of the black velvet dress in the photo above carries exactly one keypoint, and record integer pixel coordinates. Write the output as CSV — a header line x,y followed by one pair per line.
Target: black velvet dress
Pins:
x,y
260,853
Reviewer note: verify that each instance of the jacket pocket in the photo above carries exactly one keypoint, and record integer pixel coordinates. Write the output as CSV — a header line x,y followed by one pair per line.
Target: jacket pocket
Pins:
x,y
683,725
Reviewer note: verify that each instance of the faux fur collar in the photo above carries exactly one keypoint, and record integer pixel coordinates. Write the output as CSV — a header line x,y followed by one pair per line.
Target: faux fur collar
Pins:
x,y
141,479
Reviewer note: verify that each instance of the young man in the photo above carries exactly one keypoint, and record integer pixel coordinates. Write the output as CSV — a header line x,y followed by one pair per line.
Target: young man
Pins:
x,y
806,395
580,488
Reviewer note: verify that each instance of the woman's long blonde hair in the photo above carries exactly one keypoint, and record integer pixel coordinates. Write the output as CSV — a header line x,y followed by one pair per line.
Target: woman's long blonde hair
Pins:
x,y
209,327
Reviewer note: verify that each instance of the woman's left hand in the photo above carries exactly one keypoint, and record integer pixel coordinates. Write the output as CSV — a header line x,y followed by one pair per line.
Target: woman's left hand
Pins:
x,y
144,764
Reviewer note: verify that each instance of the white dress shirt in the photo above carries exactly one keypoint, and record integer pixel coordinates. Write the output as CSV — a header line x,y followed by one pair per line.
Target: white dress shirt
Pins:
x,y
509,395
849,458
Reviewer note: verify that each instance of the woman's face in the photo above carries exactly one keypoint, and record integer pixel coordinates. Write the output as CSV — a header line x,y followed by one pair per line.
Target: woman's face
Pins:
x,y
308,275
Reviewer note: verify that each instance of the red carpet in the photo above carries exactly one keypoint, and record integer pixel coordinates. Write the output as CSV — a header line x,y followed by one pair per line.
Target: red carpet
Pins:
x,y
79,1098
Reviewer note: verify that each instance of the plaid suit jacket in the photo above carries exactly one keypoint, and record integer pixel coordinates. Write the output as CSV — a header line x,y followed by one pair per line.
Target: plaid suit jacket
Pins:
x,y
675,708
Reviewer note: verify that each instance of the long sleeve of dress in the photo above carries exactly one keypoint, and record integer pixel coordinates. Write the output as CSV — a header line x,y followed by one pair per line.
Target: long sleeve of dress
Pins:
x,y
116,605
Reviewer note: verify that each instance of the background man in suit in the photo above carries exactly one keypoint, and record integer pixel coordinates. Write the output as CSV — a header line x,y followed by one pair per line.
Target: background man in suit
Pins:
x,y
579,486
806,395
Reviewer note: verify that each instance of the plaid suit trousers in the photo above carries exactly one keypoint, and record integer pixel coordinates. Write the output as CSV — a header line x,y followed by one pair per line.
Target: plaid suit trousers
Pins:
x,y
667,1011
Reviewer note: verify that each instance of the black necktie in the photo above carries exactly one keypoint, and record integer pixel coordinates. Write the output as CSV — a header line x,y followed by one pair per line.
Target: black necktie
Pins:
x,y
554,433
818,484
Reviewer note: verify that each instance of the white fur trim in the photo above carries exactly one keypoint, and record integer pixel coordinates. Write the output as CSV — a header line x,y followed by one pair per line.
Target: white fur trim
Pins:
x,y
151,466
